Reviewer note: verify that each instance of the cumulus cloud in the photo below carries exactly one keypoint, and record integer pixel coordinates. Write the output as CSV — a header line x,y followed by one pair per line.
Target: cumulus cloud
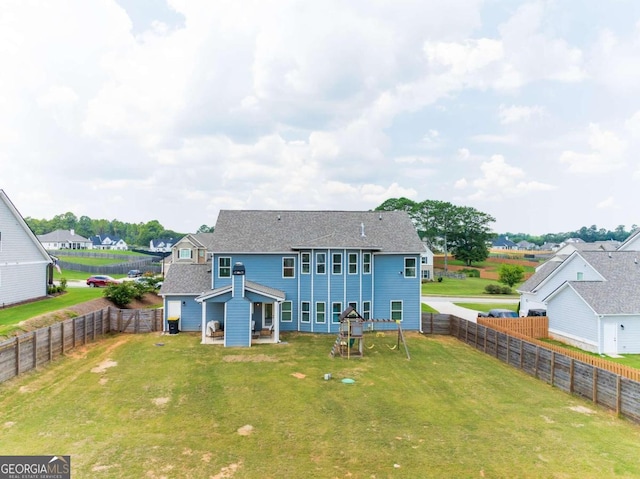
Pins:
x,y
516,113
501,180
605,153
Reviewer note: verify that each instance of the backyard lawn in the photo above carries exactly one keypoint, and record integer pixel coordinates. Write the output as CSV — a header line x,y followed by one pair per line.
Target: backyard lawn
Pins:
x,y
462,287
165,406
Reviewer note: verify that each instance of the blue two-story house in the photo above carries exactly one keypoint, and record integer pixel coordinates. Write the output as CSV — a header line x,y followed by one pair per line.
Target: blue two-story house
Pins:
x,y
272,271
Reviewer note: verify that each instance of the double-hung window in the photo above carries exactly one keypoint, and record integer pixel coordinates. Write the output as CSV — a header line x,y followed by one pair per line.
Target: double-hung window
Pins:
x,y
366,310
184,253
321,263
396,310
305,308
336,263
337,309
305,263
366,263
224,267
320,312
285,312
410,270
353,263
288,268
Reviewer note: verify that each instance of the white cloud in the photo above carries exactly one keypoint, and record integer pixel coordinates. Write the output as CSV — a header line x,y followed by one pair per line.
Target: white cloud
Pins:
x,y
607,204
515,113
461,184
605,155
499,139
500,180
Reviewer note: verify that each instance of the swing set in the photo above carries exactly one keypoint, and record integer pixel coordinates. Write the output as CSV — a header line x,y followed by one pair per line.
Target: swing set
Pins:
x,y
350,340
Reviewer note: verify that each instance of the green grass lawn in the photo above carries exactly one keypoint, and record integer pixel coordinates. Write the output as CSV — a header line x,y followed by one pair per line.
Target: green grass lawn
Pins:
x,y
460,287
128,407
484,307
427,309
11,316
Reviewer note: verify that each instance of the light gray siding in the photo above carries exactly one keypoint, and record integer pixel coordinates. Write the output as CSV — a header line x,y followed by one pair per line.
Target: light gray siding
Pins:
x,y
571,318
23,261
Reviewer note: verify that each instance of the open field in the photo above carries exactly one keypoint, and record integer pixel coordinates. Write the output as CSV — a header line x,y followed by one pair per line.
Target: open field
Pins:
x,y
462,287
165,406
484,307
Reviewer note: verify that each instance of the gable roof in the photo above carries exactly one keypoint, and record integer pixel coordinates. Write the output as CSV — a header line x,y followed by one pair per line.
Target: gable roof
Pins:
x,y
537,278
503,241
628,243
23,224
273,231
618,293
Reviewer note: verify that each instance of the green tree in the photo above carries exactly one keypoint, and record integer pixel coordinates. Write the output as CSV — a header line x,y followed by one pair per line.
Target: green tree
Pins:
x,y
510,274
205,229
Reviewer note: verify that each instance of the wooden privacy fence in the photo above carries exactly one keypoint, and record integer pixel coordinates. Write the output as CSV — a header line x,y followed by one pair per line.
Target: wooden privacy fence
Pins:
x,y
532,327
29,351
588,378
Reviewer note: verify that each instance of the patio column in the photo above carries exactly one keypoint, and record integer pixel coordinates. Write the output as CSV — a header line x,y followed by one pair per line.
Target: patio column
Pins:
x,y
204,320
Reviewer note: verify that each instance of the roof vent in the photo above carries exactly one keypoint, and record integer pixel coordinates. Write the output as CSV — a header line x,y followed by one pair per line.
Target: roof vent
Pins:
x,y
238,269
635,260
609,254
278,217
380,216
362,235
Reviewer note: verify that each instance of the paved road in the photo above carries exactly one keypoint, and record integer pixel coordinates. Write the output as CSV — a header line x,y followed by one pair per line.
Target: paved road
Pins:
x,y
444,304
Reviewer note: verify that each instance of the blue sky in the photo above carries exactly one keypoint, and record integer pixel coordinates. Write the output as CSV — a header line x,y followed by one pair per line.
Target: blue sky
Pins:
x,y
172,110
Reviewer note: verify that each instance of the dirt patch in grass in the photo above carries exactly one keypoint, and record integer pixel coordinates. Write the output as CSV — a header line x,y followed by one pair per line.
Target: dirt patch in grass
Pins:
x,y
227,472
582,409
259,358
104,365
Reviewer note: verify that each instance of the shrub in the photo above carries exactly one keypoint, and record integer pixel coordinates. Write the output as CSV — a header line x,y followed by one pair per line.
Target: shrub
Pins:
x,y
471,272
497,289
120,294
439,279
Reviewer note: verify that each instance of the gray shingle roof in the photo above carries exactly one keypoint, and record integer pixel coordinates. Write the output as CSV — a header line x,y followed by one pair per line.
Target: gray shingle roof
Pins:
x,y
58,236
539,276
187,279
271,231
618,293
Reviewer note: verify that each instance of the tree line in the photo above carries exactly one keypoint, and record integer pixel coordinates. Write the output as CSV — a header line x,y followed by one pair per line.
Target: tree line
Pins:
x,y
134,234
466,232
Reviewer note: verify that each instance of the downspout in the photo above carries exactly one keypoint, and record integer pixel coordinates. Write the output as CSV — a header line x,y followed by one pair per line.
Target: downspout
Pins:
x,y
203,307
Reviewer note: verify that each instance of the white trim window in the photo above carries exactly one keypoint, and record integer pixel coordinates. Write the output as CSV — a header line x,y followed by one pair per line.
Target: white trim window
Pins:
x,y
305,263
321,313
353,304
366,263
336,263
305,312
288,267
410,268
321,263
396,310
353,263
286,314
366,310
224,267
184,253
336,311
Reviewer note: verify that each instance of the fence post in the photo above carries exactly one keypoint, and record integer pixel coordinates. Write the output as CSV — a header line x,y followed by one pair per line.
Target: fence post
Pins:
x,y
62,336
571,374
508,348
35,350
93,326
50,344
537,358
17,349
497,335
553,366
73,333
618,394
521,354
595,384
84,325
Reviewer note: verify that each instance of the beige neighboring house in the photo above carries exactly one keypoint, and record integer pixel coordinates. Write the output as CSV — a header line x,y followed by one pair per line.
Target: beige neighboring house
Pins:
x,y
64,239
24,263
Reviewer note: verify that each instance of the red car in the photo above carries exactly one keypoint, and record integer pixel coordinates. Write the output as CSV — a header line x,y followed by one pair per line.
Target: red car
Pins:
x,y
101,281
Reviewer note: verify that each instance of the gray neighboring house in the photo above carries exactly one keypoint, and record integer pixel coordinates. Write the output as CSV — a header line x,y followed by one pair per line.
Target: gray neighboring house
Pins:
x,y
64,239
24,262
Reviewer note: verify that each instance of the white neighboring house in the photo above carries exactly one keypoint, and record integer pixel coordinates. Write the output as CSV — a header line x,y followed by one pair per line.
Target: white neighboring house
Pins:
x,y
591,299
161,245
109,242
426,264
24,263
64,239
